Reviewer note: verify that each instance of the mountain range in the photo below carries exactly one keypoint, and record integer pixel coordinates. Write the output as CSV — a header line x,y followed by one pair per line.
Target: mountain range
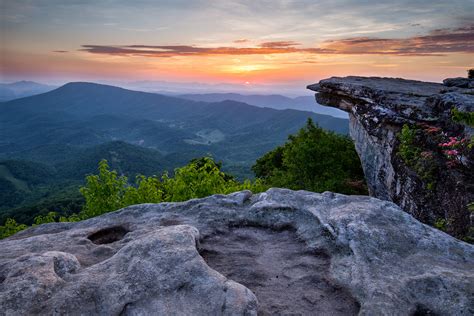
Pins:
x,y
274,101
20,89
62,134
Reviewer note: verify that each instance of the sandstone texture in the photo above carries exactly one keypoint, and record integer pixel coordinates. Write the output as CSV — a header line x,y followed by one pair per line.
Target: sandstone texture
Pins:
x,y
279,252
434,186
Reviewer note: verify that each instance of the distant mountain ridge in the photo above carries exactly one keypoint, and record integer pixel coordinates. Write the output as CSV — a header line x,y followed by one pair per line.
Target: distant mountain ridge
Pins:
x,y
274,101
84,114
20,89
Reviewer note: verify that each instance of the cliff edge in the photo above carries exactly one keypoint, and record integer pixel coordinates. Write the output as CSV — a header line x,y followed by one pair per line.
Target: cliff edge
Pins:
x,y
415,142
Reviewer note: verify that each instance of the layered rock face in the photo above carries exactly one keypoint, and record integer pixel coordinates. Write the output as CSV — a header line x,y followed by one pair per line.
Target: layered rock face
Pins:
x,y
279,252
427,170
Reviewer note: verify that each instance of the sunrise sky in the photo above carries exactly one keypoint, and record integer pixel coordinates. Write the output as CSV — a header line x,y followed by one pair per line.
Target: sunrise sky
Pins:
x,y
244,42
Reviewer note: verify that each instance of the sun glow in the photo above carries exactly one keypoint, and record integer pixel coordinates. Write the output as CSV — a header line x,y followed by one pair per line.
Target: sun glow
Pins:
x,y
238,69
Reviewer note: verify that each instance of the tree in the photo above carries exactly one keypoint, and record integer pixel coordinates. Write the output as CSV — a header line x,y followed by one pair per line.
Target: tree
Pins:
x,y
11,227
106,191
103,192
314,160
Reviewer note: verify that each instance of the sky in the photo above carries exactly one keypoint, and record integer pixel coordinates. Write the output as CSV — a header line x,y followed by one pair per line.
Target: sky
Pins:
x,y
255,42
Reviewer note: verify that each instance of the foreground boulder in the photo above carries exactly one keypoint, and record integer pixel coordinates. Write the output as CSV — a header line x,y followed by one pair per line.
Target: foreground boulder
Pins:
x,y
415,141
279,252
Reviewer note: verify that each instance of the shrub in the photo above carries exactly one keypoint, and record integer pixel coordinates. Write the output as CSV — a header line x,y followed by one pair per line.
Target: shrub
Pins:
x,y
11,227
407,149
106,191
103,192
314,160
463,117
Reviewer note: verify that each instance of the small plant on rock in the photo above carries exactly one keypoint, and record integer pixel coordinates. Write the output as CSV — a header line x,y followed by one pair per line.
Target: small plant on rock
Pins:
x,y
463,117
407,149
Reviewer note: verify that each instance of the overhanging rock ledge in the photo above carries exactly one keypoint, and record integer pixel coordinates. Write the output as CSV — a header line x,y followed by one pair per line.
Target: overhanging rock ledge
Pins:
x,y
433,186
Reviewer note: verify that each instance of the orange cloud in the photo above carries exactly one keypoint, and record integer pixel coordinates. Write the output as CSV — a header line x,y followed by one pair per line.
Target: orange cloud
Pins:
x,y
436,43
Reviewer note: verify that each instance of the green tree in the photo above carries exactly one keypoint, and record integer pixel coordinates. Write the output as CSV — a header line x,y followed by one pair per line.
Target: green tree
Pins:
x,y
11,227
147,190
106,191
314,160
201,177
103,192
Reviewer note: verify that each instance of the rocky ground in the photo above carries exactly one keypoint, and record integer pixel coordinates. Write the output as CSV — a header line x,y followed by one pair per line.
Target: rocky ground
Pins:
x,y
279,252
429,169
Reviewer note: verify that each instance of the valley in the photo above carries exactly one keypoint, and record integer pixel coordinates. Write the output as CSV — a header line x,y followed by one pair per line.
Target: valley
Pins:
x,y
61,135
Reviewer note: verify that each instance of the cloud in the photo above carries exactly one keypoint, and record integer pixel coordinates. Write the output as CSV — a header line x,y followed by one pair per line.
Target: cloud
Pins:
x,y
241,40
437,42
60,51
182,50
279,44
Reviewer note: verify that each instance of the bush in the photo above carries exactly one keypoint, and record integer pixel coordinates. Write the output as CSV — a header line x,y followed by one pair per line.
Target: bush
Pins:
x,y
314,160
202,177
463,117
103,192
11,227
470,73
107,191
407,149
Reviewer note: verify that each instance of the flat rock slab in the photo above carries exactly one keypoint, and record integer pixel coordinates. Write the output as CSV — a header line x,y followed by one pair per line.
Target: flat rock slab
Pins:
x,y
354,84
234,255
276,266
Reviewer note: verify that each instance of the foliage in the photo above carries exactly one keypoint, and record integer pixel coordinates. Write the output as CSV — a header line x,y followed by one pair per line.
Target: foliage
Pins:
x,y
407,149
422,160
470,73
103,192
31,172
11,227
441,224
9,193
202,177
463,117
315,160
470,207
107,191
63,203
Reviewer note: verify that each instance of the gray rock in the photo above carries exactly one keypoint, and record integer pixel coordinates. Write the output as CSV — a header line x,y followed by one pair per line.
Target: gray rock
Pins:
x,y
378,108
459,82
298,252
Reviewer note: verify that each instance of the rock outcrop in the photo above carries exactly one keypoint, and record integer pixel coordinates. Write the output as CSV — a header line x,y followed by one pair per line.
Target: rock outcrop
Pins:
x,y
276,252
428,169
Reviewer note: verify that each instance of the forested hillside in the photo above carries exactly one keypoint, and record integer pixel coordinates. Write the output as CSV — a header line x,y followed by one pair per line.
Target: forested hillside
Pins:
x,y
313,159
50,142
